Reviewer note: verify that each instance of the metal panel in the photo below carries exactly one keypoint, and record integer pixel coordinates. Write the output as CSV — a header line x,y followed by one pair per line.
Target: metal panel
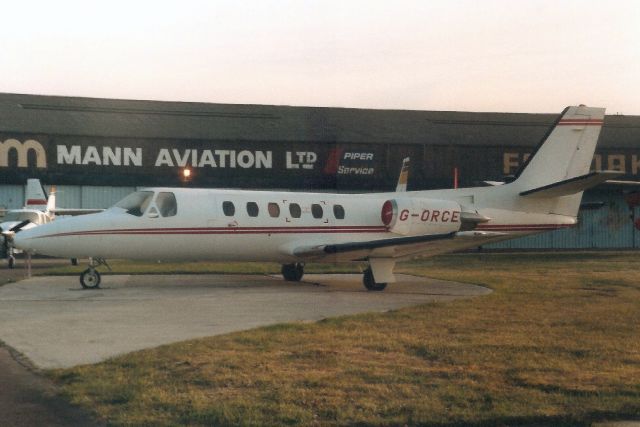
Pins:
x,y
11,196
612,227
636,231
604,228
56,115
81,140
103,197
67,196
635,215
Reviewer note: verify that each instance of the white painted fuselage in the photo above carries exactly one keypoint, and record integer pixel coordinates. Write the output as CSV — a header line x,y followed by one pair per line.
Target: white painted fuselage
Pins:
x,y
200,230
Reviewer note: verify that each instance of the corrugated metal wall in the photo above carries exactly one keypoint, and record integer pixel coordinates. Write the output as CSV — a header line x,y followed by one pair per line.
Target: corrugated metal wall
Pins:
x,y
636,242
67,196
11,196
609,227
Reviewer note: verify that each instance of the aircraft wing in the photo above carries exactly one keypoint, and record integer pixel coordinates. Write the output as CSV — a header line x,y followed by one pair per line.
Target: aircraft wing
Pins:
x,y
398,248
71,211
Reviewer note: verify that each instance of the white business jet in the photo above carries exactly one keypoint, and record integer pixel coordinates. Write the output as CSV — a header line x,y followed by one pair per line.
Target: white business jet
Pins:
x,y
38,210
293,228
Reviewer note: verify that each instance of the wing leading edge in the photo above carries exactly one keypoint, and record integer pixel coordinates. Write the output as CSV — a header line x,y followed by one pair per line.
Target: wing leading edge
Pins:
x,y
398,247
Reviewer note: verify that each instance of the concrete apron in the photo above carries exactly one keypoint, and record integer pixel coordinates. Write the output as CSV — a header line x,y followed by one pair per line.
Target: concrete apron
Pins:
x,y
56,324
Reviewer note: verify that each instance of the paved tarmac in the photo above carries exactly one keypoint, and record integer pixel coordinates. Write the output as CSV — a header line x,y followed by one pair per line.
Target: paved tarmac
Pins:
x,y
56,324
30,400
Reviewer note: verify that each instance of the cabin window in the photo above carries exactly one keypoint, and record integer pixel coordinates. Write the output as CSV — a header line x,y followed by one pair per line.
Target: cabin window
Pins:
x,y
316,210
338,211
294,210
166,203
136,203
252,209
228,208
274,210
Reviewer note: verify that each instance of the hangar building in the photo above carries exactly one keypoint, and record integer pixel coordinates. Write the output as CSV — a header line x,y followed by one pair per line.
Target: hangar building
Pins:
x,y
98,150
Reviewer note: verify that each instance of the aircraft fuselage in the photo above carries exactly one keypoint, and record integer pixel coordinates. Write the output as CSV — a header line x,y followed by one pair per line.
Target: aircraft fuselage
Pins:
x,y
266,225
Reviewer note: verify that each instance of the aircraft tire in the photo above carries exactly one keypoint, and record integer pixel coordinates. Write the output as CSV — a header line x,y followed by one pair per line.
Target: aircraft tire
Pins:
x,y
11,262
292,272
74,261
90,279
370,283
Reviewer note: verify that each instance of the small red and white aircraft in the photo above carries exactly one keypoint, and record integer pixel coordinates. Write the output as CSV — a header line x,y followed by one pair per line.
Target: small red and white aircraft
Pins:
x,y
293,228
38,210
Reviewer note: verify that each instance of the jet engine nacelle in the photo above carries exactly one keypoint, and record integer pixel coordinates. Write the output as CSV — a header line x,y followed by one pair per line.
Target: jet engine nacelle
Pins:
x,y
413,217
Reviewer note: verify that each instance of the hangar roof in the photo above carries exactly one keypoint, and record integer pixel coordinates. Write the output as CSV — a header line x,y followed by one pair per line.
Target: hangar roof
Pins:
x,y
57,115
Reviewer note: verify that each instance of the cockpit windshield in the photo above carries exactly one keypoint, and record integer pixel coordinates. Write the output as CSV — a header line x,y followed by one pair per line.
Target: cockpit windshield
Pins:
x,y
136,203
20,216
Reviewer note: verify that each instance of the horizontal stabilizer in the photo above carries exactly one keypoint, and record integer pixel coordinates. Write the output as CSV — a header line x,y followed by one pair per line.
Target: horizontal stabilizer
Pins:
x,y
628,185
572,185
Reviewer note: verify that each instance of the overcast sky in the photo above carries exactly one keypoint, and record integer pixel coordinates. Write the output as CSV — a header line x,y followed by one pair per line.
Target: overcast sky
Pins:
x,y
490,55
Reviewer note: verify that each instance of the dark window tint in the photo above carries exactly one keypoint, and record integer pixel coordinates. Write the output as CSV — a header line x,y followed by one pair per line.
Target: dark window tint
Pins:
x,y
136,203
252,209
274,210
294,210
316,210
228,208
338,211
167,204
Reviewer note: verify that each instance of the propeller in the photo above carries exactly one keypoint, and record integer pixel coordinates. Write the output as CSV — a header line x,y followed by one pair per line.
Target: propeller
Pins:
x,y
19,226
7,237
4,245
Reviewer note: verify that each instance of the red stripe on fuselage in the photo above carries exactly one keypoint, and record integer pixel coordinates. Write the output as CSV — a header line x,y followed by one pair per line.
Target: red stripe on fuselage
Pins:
x,y
31,202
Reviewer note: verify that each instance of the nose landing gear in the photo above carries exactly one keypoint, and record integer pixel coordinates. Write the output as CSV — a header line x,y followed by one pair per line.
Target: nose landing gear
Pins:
x,y
90,278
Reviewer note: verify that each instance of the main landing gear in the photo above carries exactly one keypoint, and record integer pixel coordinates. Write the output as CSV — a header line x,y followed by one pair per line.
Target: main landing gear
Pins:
x,y
379,273
383,271
293,272
370,283
90,278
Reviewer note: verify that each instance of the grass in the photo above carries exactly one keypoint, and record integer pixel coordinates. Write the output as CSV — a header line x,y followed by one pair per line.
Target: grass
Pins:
x,y
556,343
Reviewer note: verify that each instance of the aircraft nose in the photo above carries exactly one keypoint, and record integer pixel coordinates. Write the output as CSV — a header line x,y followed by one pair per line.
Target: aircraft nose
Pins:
x,y
23,241
18,242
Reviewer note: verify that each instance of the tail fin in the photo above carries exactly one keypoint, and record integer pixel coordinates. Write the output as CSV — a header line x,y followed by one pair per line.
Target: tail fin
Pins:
x,y
566,151
35,197
404,176
51,201
564,156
